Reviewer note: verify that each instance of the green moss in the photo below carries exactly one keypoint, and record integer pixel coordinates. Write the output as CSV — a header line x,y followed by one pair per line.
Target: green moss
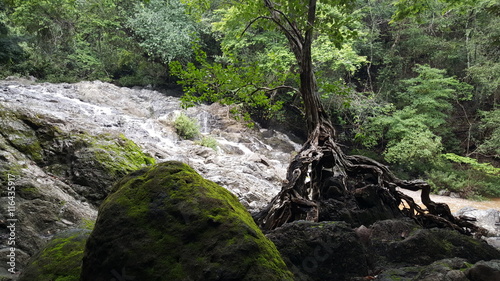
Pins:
x,y
28,191
118,155
16,130
88,224
60,260
179,215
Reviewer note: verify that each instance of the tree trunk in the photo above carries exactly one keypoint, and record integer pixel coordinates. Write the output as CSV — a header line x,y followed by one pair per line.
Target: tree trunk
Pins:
x,y
321,173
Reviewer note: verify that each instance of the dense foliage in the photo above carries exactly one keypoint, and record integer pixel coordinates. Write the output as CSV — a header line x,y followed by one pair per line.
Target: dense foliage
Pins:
x,y
415,84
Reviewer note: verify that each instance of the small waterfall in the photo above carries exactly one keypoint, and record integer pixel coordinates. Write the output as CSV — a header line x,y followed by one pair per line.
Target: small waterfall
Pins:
x,y
205,120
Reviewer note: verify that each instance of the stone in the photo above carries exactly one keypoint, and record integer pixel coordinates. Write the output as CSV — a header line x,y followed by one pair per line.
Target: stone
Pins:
x,y
487,219
168,223
363,207
321,251
493,241
60,259
441,270
53,172
484,271
424,246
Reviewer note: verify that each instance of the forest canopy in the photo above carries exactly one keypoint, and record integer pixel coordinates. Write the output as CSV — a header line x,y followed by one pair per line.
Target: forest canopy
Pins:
x,y
414,85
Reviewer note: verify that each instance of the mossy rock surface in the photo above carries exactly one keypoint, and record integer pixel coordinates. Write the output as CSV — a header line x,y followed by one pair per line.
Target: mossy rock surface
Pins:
x,y
60,260
99,161
166,222
85,160
424,246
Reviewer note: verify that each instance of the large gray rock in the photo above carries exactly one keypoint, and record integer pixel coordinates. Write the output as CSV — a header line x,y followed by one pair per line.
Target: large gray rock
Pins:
x,y
403,242
488,219
396,249
441,270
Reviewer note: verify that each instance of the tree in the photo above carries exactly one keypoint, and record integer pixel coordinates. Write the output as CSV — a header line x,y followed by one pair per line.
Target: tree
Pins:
x,y
164,30
414,127
11,54
321,166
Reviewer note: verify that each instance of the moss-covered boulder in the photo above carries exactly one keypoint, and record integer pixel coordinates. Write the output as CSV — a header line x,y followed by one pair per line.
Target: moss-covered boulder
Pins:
x,y
95,163
60,260
168,223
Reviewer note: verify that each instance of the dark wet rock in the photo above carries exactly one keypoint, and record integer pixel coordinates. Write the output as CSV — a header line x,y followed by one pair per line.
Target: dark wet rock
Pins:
x,y
321,251
484,271
364,207
395,249
441,270
168,223
404,242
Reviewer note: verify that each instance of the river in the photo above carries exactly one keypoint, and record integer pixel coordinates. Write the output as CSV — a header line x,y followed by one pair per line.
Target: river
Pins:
x,y
456,204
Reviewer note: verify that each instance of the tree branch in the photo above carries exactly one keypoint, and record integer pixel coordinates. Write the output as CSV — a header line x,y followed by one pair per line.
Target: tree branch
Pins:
x,y
295,40
253,21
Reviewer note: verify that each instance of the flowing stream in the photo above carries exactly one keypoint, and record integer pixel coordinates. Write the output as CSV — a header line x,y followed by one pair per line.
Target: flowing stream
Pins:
x,y
456,204
250,163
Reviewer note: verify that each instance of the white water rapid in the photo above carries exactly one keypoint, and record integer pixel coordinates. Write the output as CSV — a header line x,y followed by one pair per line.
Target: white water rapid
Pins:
x,y
250,163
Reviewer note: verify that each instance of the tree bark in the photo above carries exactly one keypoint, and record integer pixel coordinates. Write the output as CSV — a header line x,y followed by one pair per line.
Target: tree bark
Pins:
x,y
321,159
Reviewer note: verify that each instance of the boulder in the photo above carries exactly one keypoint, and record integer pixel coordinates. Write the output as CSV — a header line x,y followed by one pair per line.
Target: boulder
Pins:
x,y
402,242
441,270
488,219
168,223
395,249
484,271
363,207
60,259
321,251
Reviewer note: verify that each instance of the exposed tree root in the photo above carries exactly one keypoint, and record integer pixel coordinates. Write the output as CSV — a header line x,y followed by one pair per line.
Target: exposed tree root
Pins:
x,y
321,172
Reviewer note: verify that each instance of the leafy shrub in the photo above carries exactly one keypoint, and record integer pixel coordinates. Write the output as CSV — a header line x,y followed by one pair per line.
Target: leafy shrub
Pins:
x,y
473,163
415,152
466,176
186,127
208,141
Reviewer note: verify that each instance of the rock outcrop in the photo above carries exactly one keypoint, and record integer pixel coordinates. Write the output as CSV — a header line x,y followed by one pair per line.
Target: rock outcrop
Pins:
x,y
402,242
63,146
55,178
396,249
168,223
487,219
